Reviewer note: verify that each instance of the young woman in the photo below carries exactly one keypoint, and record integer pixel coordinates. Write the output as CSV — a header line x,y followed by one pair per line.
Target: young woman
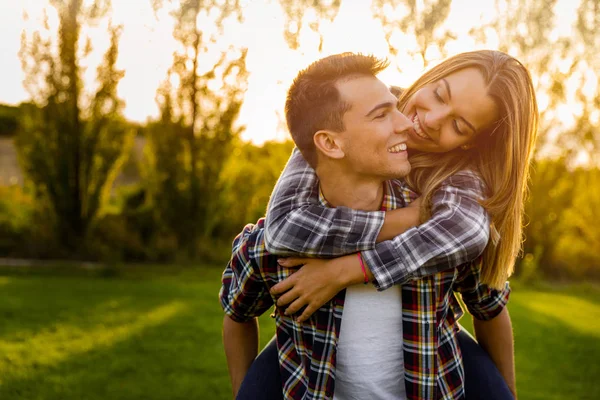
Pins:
x,y
475,124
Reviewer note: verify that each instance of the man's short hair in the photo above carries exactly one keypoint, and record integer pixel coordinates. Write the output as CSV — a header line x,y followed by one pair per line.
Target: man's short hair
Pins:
x,y
313,101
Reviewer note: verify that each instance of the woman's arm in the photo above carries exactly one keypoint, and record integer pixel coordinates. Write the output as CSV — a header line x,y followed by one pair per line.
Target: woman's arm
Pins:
x,y
298,225
457,233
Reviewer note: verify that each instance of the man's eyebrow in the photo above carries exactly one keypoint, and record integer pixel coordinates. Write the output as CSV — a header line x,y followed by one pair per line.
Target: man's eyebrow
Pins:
x,y
387,104
450,98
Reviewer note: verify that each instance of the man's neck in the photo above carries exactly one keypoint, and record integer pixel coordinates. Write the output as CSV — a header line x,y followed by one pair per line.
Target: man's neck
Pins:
x,y
343,189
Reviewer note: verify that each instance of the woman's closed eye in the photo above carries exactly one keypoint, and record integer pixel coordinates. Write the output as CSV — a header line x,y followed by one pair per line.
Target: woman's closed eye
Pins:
x,y
438,97
457,129
454,122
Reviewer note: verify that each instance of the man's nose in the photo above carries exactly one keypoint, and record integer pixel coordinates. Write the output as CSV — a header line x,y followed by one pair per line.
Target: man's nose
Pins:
x,y
403,123
435,118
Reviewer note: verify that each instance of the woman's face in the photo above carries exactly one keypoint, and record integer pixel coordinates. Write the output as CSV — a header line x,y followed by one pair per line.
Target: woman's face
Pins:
x,y
450,113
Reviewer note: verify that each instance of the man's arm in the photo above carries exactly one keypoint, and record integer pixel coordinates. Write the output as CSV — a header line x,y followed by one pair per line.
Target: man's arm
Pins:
x,y
240,340
496,337
491,320
244,296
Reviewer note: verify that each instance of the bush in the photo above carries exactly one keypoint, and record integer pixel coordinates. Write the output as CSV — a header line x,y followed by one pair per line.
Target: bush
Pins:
x,y
25,229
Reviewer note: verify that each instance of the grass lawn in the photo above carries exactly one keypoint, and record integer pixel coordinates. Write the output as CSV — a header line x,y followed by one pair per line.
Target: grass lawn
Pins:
x,y
155,333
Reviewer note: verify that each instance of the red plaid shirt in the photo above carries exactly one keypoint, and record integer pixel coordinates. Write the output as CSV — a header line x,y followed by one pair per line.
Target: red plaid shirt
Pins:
x,y
307,351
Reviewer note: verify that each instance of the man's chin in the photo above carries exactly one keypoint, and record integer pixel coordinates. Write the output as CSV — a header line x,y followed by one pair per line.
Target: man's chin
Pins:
x,y
401,173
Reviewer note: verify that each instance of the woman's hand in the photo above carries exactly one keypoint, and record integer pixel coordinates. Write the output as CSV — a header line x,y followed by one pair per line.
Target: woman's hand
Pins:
x,y
315,283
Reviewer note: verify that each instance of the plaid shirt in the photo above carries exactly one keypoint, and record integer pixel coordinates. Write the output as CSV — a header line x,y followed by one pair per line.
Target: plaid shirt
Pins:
x,y
457,233
307,352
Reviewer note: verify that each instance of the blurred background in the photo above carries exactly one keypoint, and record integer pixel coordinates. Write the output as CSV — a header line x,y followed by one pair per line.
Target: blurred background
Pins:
x,y
137,138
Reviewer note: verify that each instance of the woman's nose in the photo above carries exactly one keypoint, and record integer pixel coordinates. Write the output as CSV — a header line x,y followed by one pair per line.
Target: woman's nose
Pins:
x,y
435,118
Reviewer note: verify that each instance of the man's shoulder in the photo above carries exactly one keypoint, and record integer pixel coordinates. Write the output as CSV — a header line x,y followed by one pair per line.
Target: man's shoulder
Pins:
x,y
250,239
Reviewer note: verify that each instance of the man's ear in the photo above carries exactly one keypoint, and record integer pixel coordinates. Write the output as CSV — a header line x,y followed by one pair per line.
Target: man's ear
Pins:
x,y
329,144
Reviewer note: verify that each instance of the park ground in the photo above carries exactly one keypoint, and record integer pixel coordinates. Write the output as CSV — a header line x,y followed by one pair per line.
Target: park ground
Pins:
x,y
154,332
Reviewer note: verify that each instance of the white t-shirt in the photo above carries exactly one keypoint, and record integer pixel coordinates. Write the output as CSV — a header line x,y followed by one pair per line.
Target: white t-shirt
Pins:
x,y
370,361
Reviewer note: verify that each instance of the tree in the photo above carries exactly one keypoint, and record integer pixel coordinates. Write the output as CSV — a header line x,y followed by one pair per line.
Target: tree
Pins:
x,y
587,127
576,249
563,67
199,102
296,13
71,144
246,189
9,120
423,20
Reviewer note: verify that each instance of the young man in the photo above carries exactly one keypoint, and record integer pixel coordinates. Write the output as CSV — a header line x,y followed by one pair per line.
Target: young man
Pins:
x,y
388,345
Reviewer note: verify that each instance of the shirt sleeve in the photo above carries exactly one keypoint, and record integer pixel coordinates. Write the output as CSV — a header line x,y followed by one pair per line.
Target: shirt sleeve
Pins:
x,y
457,233
296,224
244,294
483,302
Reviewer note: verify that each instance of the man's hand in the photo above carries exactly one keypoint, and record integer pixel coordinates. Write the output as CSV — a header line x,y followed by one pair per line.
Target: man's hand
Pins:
x,y
315,283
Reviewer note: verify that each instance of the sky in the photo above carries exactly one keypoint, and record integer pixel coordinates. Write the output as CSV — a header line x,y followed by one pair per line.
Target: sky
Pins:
x,y
146,48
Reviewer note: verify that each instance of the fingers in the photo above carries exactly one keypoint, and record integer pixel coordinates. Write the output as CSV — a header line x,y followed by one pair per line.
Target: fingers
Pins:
x,y
308,311
295,306
287,298
283,286
292,262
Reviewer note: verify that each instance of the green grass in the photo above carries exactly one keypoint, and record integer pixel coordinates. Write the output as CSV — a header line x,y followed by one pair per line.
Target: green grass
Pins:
x,y
129,337
155,333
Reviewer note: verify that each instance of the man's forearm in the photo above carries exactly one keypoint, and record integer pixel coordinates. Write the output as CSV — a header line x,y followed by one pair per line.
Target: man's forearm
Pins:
x,y
241,347
496,337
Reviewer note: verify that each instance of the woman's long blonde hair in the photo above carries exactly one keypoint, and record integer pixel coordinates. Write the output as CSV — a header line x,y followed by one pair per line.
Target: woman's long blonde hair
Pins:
x,y
501,155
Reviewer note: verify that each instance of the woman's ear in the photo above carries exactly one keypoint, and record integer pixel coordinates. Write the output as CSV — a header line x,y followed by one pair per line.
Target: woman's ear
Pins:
x,y
328,143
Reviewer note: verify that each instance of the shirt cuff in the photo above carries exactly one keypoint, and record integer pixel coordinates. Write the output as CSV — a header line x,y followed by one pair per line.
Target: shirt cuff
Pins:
x,y
489,309
382,272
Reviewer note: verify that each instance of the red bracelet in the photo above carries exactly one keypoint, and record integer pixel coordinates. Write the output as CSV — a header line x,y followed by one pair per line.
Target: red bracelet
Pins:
x,y
364,270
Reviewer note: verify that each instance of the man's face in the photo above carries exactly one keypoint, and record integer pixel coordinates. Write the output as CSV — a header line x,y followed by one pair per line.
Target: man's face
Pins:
x,y
374,142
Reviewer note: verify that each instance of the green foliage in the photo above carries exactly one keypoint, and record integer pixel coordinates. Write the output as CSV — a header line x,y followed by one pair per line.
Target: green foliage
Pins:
x,y
26,228
561,237
9,120
247,179
191,142
71,153
16,209
575,251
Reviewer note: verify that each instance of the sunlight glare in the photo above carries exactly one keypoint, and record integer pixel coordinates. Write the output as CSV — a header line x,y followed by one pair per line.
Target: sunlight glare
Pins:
x,y
57,344
572,311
